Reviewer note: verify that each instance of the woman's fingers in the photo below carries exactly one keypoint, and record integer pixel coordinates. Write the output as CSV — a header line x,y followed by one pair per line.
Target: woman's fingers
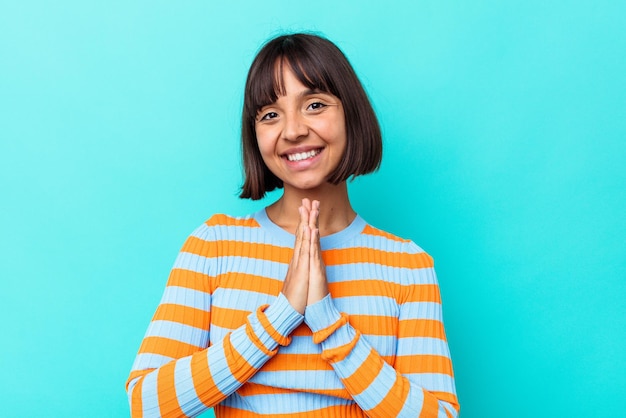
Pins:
x,y
318,285
314,215
295,286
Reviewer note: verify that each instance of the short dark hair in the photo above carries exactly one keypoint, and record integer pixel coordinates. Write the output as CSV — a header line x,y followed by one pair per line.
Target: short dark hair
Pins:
x,y
319,65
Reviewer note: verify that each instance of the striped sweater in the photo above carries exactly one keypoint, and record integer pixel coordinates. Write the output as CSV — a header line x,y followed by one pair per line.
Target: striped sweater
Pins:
x,y
224,337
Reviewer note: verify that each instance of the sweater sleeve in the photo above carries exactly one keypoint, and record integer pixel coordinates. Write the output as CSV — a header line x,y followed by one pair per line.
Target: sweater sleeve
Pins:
x,y
420,383
174,373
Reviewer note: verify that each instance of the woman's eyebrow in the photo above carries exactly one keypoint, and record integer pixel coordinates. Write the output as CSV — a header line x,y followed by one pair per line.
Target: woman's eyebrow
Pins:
x,y
311,92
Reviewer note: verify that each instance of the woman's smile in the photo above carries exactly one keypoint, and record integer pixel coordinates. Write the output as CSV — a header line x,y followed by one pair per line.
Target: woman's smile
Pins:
x,y
303,155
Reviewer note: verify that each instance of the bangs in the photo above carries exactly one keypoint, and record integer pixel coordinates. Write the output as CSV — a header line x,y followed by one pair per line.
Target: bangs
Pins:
x,y
266,84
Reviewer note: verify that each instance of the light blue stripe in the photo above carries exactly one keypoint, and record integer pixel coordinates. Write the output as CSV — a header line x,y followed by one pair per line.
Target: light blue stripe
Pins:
x,y
217,334
414,403
150,361
301,345
377,389
220,372
240,299
385,345
370,271
422,345
421,310
449,408
350,364
193,262
204,233
179,332
186,297
149,397
368,305
336,274
298,379
185,389
441,413
382,243
291,403
435,382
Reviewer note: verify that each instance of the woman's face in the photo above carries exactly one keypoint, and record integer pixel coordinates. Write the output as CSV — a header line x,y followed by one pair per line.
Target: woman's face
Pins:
x,y
301,136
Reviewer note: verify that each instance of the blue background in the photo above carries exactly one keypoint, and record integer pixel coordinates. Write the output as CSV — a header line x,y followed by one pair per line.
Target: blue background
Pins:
x,y
504,127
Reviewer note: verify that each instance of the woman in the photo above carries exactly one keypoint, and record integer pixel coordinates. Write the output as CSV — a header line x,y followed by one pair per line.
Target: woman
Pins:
x,y
342,320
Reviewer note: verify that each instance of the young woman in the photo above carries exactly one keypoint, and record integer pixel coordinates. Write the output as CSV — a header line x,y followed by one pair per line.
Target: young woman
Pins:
x,y
301,309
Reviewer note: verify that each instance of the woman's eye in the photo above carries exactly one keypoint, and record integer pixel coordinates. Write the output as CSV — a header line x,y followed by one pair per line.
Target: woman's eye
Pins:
x,y
268,116
316,106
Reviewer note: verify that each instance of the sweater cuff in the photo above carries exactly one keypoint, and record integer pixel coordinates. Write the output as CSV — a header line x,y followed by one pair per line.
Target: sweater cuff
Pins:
x,y
322,314
279,319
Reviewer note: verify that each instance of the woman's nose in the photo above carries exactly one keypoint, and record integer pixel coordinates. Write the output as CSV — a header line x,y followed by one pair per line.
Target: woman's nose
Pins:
x,y
295,127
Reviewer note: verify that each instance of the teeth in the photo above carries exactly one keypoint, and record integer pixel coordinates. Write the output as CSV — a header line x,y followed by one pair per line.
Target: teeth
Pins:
x,y
302,155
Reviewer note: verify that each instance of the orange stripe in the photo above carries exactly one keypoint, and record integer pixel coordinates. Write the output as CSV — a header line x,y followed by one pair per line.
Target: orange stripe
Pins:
x,y
421,328
166,392
208,392
229,318
252,389
369,255
167,347
255,340
136,409
392,403
136,373
413,293
249,282
183,314
225,220
364,288
278,254
423,293
303,330
365,374
375,325
424,364
430,407
448,397
283,362
226,248
370,230
189,280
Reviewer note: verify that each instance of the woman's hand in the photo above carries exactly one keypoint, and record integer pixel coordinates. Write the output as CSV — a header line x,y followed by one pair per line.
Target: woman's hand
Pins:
x,y
305,282
318,285
296,284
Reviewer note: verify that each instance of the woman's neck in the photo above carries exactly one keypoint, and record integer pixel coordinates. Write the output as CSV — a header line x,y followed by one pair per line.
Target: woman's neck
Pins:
x,y
336,213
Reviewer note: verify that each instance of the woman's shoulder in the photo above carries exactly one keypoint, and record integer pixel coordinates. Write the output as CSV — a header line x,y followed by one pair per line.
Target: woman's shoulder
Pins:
x,y
220,219
223,226
396,246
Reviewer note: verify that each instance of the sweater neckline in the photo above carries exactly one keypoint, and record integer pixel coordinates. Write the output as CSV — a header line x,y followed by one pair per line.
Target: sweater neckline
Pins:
x,y
326,242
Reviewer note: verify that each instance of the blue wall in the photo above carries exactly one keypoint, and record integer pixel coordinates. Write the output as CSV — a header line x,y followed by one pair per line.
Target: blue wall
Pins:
x,y
505,129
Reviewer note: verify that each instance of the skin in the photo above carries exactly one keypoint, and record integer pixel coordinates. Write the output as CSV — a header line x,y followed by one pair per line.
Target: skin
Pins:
x,y
302,121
